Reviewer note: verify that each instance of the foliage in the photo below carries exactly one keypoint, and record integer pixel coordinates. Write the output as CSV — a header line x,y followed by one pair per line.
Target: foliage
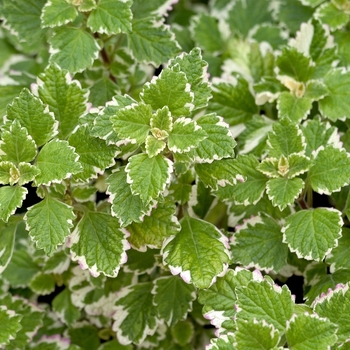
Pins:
x,y
166,166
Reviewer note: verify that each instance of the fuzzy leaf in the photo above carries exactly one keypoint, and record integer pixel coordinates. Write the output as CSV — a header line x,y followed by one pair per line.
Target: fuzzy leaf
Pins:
x,y
198,252
64,96
43,283
11,198
339,257
33,115
330,15
293,107
265,301
111,17
307,331
7,242
185,134
154,146
58,12
56,161
330,170
148,177
27,173
313,233
135,315
10,324
94,154
67,45
258,243
155,227
171,89
132,123
63,306
173,298
16,145
49,223
126,206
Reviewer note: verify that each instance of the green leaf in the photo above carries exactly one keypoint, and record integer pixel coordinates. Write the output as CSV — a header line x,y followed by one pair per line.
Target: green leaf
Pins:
x,y
283,192
9,174
56,161
339,257
225,342
10,324
102,91
335,306
16,145
330,170
293,107
234,102
58,12
151,41
173,298
253,334
244,15
258,243
111,17
148,177
218,143
135,315
198,252
171,88
185,135
66,311
285,139
64,96
307,331
33,115
43,283
263,300
11,198
313,233
336,104
183,332
132,123
49,223
68,43
161,122
98,244
330,15
94,154
155,227
126,206
7,242
154,146
27,173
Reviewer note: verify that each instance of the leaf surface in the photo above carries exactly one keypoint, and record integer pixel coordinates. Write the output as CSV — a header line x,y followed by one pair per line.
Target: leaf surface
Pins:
x,y
11,198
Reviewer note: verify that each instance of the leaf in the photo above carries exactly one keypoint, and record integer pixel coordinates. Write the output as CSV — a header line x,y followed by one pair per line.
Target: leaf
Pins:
x,y
185,134
132,123
34,116
111,17
148,177
336,104
224,342
11,198
64,308
244,15
27,173
335,306
313,233
58,12
339,256
94,154
266,301
43,283
49,223
9,325
198,252
234,102
253,334
218,143
9,174
285,139
64,96
283,192
16,145
258,243
307,331
173,298
171,89
154,146
56,161
7,242
293,107
151,41
329,14
155,227
68,43
102,91
126,206
135,315
330,170
98,244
